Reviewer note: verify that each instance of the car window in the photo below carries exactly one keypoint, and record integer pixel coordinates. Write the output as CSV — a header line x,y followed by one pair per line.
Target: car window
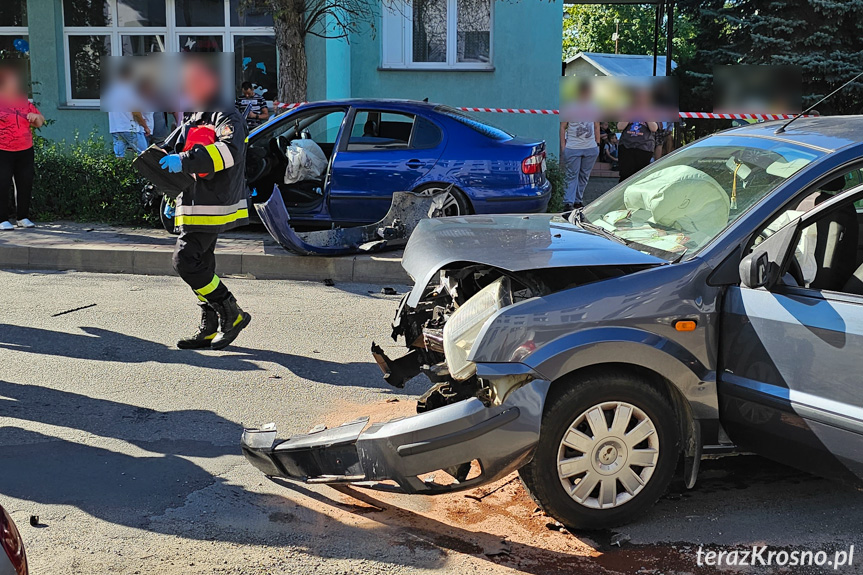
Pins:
x,y
426,134
322,126
680,203
483,128
376,130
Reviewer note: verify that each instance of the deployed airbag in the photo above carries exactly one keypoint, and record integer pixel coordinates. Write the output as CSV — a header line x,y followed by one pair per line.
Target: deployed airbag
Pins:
x,y
683,198
306,161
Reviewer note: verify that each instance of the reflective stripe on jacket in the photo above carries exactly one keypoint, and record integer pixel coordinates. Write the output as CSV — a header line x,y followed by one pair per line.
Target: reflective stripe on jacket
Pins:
x,y
218,201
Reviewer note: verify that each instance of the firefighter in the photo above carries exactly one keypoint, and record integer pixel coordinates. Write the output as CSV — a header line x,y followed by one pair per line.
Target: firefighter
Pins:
x,y
211,146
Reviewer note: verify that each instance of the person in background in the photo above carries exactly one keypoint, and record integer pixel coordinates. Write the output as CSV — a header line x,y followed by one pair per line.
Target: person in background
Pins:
x,y
637,145
579,148
129,129
609,152
663,140
17,118
259,113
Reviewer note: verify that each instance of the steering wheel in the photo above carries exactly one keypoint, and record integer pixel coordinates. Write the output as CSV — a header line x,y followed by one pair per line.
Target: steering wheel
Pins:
x,y
258,169
281,146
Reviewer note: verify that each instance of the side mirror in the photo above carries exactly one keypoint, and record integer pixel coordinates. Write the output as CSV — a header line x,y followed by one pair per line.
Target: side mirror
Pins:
x,y
756,270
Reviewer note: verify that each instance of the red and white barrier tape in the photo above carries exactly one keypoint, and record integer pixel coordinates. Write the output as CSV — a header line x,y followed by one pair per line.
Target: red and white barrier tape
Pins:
x,y
693,115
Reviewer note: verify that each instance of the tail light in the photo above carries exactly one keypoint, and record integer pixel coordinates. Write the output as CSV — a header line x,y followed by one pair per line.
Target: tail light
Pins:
x,y
534,164
10,541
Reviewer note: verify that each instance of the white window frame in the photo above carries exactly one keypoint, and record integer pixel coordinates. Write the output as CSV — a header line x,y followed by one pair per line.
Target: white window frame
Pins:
x,y
16,31
397,40
171,32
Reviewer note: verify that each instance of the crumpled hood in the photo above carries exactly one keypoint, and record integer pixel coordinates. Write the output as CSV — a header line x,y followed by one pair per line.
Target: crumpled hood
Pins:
x,y
510,242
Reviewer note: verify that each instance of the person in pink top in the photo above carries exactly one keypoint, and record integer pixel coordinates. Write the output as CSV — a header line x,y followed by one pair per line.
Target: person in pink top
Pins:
x,y
17,118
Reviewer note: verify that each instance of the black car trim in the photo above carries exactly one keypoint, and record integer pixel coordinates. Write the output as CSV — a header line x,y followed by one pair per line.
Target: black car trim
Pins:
x,y
772,396
457,437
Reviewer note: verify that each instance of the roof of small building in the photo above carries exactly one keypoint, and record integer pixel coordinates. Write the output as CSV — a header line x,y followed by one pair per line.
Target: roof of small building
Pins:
x,y
624,64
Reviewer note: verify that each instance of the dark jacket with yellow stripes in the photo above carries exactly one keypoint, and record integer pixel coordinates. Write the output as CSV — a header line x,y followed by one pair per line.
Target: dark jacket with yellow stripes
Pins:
x,y
217,201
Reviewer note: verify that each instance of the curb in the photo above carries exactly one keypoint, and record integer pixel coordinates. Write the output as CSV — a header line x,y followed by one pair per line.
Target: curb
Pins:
x,y
382,268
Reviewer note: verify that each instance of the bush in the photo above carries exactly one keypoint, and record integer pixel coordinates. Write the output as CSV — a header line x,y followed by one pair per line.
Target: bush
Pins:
x,y
555,175
83,181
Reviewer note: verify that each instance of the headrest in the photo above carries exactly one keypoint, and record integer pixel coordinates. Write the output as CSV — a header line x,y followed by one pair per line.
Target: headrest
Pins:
x,y
834,185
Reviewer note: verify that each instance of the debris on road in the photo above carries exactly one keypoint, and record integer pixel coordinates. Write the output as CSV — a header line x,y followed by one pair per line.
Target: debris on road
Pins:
x,y
73,310
34,521
500,548
389,291
619,539
329,283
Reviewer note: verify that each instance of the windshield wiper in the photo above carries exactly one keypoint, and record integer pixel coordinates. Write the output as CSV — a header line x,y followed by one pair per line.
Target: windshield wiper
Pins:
x,y
595,229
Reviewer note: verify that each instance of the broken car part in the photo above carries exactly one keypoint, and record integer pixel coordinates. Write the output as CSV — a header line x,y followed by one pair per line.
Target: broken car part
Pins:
x,y
393,231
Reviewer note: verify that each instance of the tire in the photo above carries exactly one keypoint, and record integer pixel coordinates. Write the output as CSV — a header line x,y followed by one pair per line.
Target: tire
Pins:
x,y
167,223
455,204
624,489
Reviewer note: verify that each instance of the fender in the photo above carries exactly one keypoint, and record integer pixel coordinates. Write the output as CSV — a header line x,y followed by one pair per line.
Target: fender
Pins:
x,y
604,345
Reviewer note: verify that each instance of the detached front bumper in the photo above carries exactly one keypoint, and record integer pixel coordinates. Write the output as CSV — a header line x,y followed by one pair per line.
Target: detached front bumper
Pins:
x,y
501,438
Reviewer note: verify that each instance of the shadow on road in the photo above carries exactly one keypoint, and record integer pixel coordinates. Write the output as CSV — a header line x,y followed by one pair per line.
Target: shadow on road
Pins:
x,y
105,345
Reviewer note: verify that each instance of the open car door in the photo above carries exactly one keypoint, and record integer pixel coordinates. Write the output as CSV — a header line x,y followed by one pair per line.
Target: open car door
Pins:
x,y
791,344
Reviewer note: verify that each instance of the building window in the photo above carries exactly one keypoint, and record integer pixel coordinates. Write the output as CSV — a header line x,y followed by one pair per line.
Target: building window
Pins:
x,y
437,34
96,28
14,42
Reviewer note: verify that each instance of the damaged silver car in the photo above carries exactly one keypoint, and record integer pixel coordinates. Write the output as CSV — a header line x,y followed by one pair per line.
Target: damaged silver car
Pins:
x,y
710,302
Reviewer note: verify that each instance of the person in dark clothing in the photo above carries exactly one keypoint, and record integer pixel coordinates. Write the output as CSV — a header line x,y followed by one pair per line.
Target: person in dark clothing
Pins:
x,y
17,118
635,150
259,112
213,148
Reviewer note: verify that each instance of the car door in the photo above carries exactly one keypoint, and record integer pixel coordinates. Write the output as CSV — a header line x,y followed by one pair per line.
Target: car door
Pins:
x,y
383,152
790,355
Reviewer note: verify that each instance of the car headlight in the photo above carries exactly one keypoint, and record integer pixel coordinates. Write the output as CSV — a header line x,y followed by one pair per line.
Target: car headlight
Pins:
x,y
463,327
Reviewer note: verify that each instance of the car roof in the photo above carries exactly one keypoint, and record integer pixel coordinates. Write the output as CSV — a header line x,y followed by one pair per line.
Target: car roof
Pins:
x,y
826,133
393,104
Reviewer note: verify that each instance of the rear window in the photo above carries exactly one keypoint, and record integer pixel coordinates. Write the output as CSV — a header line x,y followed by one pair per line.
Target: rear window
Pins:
x,y
483,128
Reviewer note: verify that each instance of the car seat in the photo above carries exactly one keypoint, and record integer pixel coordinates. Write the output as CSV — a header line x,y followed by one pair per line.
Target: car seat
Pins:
x,y
370,129
837,238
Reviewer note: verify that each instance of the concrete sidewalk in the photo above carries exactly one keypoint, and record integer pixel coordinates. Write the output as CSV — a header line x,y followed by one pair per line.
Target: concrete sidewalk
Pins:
x,y
250,252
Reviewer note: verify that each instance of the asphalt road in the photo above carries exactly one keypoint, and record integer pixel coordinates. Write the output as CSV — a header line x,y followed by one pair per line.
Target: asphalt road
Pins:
x,y
127,450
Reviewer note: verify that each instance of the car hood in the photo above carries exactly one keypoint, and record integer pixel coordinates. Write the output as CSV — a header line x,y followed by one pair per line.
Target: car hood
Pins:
x,y
510,242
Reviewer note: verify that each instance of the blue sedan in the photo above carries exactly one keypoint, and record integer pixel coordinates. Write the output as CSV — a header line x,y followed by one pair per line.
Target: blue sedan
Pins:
x,y
373,148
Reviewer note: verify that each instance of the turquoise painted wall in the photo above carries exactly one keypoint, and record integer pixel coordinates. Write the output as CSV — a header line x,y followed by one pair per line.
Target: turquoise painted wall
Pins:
x,y
527,38
46,68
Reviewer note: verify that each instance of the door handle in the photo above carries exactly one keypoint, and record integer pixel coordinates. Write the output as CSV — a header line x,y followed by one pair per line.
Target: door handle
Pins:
x,y
414,164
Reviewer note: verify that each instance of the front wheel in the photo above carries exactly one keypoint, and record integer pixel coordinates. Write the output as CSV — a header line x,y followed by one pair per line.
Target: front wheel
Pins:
x,y
607,450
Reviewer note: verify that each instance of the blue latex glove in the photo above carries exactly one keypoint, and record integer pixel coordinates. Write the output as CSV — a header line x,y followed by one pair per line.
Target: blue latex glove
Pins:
x,y
173,163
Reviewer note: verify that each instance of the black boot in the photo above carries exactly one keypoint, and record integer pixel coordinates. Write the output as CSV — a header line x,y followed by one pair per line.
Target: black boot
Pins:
x,y
232,320
206,331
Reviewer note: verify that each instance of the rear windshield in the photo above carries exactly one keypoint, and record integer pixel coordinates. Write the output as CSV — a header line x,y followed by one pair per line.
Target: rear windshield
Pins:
x,y
483,128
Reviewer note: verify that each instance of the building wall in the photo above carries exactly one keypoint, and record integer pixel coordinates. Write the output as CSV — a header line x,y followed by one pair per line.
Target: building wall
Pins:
x,y
48,75
527,40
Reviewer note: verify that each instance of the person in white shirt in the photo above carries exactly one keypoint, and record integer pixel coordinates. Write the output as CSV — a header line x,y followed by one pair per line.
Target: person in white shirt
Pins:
x,y
579,148
129,129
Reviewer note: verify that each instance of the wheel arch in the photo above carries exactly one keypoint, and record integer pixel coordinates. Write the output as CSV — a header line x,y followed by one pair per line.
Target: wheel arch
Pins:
x,y
424,184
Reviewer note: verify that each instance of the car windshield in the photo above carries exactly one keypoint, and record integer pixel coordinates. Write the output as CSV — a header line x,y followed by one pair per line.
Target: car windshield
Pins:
x,y
679,204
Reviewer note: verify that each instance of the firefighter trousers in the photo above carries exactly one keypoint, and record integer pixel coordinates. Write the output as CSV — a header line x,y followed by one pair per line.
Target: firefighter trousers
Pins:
x,y
195,261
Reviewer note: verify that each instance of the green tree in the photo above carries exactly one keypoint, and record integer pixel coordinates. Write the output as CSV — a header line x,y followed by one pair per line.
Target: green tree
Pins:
x,y
820,37
590,28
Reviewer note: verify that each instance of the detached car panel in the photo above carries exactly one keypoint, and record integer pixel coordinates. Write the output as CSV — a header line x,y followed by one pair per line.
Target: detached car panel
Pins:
x,y
500,439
